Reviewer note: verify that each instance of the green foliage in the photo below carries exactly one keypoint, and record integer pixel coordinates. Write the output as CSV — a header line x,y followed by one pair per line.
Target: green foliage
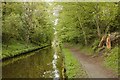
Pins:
x,y
84,49
111,60
83,22
95,45
25,26
26,22
74,69
15,48
18,47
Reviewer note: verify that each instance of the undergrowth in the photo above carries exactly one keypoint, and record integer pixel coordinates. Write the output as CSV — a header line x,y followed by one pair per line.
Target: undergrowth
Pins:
x,y
111,61
73,67
16,47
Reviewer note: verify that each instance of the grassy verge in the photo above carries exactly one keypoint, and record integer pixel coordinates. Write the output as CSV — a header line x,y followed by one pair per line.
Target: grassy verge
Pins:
x,y
87,50
73,67
16,48
111,61
84,49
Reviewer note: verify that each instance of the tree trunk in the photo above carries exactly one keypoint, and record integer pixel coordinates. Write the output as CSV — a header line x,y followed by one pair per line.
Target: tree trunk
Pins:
x,y
98,27
97,21
83,31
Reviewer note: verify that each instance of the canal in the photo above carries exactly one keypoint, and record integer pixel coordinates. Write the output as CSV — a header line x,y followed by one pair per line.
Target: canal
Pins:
x,y
44,63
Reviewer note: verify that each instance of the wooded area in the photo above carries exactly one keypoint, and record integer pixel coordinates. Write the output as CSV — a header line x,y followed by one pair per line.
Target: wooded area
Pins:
x,y
25,22
25,25
85,23
95,27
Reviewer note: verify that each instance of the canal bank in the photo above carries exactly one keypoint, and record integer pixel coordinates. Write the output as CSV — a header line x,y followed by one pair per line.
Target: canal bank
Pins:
x,y
37,64
73,68
11,54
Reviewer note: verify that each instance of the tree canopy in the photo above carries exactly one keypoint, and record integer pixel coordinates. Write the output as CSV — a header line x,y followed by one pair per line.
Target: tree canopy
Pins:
x,y
85,22
27,21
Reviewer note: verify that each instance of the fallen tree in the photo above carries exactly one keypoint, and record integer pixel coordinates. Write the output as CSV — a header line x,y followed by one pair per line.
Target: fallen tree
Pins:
x,y
109,40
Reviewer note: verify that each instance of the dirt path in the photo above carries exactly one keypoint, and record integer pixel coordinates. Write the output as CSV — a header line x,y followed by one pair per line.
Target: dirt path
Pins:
x,y
93,66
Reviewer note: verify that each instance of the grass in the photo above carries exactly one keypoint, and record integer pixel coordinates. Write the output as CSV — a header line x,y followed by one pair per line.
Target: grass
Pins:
x,y
87,50
73,67
111,61
84,49
16,47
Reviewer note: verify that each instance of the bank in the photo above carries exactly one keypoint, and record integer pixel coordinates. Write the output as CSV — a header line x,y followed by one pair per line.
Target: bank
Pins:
x,y
19,48
73,68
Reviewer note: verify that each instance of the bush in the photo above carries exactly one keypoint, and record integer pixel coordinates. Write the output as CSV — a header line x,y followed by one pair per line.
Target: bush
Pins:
x,y
111,61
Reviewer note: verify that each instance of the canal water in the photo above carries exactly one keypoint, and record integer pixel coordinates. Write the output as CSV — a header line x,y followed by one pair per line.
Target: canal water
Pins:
x,y
44,63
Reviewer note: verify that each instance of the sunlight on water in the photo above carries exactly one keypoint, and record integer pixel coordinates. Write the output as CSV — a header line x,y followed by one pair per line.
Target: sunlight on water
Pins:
x,y
54,62
54,45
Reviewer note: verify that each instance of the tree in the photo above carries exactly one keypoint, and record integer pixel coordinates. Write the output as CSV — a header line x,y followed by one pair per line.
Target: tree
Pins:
x,y
84,23
27,22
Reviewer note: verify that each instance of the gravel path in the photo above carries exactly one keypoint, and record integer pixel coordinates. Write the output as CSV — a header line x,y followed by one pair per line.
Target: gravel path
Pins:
x,y
93,66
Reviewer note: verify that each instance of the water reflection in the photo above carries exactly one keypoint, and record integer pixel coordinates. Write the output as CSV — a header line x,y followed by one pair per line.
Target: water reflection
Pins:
x,y
38,65
54,62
